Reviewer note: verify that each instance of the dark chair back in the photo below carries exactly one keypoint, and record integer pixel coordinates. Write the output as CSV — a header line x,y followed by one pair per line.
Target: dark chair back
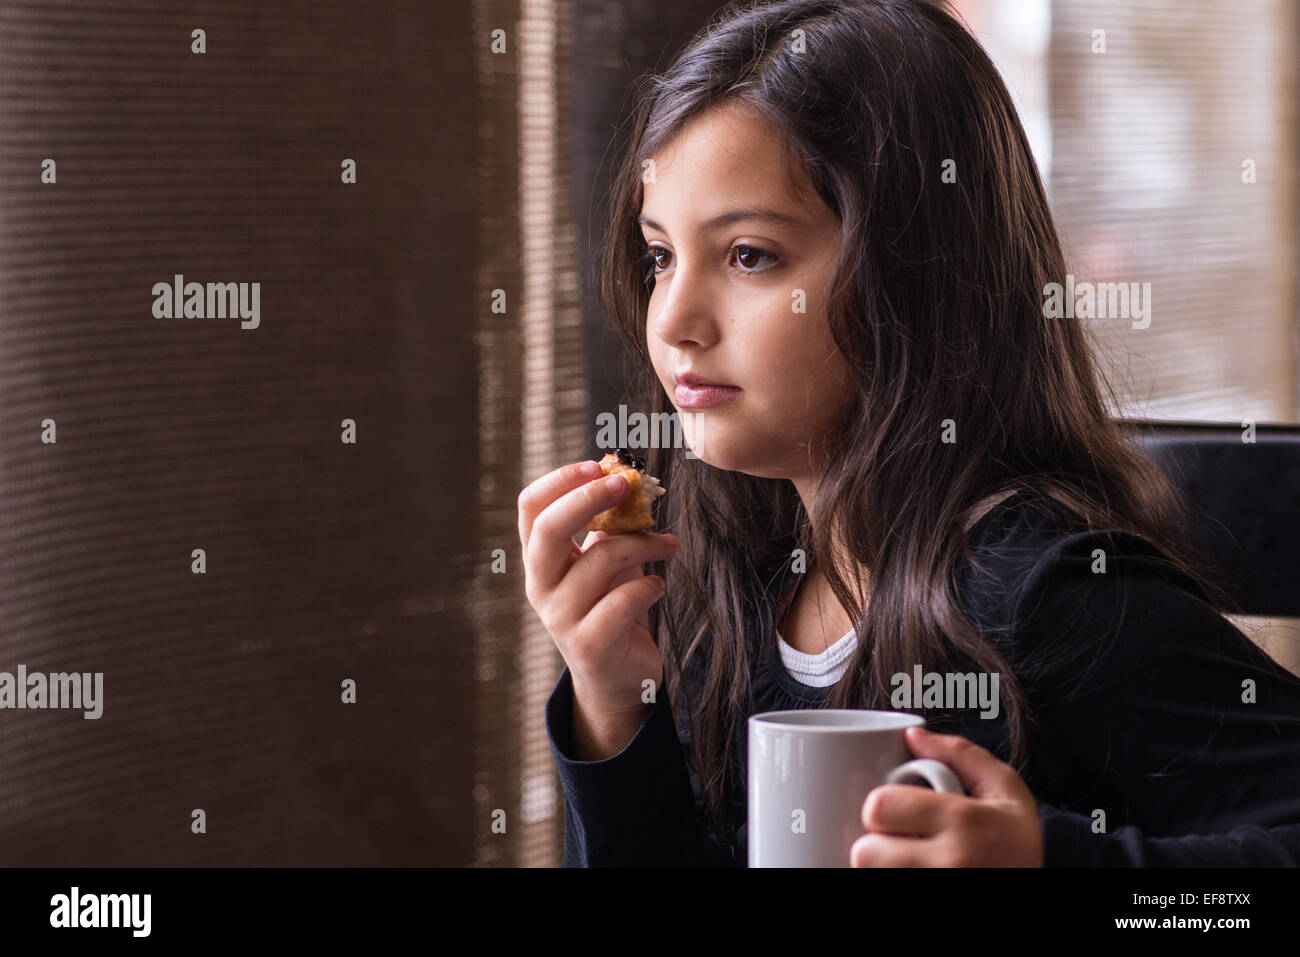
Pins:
x,y
1245,499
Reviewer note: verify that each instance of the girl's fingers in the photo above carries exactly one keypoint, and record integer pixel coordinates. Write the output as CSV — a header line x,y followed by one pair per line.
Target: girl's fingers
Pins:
x,y
884,850
623,606
550,543
905,809
594,538
545,490
605,567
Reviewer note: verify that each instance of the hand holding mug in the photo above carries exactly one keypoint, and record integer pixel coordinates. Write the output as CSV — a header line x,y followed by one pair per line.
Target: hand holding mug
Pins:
x,y
995,824
808,770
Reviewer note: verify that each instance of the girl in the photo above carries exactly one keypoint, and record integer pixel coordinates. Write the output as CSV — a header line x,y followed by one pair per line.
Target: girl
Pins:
x,y
831,209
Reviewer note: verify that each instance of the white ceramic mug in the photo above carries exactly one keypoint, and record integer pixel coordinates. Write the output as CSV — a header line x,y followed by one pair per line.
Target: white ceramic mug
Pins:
x,y
810,772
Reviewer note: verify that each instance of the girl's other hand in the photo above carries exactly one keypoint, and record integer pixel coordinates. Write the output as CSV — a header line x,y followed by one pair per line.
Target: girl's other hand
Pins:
x,y
997,825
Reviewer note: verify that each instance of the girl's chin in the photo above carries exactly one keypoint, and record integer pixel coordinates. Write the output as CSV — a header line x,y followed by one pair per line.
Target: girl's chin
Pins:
x,y
714,454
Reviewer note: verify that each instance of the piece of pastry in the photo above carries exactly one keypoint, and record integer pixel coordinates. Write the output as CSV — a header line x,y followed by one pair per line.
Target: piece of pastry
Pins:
x,y
632,514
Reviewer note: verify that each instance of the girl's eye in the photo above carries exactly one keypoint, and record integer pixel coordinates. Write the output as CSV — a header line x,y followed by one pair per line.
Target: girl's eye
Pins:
x,y
649,262
746,255
754,255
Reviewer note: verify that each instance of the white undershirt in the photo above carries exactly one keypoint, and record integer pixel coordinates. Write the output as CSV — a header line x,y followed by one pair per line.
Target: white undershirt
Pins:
x,y
825,669
820,670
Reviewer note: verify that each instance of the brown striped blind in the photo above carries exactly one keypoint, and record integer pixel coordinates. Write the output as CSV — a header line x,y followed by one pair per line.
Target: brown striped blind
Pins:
x,y
289,543
323,560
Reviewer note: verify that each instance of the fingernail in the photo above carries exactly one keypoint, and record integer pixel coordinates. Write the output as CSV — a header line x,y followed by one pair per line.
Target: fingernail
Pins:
x,y
616,483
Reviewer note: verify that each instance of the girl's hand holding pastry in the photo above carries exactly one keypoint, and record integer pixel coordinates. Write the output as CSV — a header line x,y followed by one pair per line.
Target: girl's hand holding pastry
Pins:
x,y
594,600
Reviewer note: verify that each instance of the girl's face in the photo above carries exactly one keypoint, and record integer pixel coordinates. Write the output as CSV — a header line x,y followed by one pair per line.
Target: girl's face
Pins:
x,y
741,301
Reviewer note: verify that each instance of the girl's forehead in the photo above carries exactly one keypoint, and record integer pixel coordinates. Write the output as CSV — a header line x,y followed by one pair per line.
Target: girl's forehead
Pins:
x,y
727,162
721,138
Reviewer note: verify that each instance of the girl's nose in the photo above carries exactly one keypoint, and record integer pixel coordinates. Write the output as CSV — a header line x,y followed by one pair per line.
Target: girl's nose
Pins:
x,y
686,316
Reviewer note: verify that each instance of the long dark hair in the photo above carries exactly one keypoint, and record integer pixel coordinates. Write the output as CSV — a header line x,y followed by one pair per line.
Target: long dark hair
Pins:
x,y
936,303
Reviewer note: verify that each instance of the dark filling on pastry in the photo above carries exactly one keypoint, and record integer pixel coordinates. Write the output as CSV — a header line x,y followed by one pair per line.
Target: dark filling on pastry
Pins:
x,y
627,458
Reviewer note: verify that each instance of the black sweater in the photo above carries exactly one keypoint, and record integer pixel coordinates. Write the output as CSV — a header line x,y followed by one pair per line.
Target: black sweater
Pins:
x,y
1136,684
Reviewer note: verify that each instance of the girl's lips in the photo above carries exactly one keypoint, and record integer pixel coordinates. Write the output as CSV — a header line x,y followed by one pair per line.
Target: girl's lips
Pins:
x,y
701,397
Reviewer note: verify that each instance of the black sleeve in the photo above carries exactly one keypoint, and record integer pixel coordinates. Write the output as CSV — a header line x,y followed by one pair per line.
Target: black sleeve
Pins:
x,y
636,808
1069,842
1155,710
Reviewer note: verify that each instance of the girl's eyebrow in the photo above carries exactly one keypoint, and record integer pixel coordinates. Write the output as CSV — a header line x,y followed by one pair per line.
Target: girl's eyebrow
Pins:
x,y
762,214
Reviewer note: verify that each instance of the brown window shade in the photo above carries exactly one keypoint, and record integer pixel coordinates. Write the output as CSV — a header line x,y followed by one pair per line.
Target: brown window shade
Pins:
x,y
325,561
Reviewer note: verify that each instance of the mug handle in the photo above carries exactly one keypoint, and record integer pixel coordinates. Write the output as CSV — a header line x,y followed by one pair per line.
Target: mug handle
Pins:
x,y
927,772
